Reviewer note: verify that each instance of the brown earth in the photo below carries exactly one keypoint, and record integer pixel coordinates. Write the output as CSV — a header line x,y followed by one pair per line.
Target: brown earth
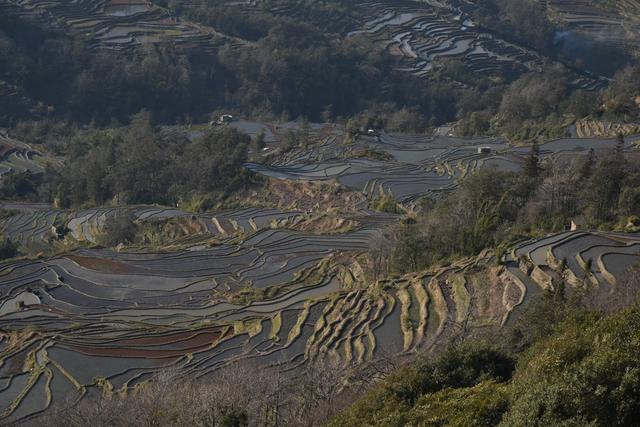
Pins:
x,y
101,264
304,196
194,344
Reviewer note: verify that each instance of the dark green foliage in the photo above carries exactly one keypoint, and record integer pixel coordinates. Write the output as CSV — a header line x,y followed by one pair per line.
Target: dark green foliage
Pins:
x,y
621,97
19,185
294,68
529,102
68,79
465,222
540,318
578,368
523,21
464,366
411,249
235,418
8,249
532,165
137,164
586,374
119,229
582,103
478,406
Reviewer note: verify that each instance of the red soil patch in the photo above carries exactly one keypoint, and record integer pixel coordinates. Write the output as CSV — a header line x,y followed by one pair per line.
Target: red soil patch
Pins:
x,y
101,265
126,3
198,342
167,339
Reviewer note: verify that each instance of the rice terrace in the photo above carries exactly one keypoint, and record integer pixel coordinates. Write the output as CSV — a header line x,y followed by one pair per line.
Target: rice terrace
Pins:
x,y
300,212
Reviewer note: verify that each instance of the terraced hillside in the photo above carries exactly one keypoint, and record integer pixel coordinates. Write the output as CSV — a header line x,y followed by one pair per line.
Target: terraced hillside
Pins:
x,y
615,22
412,166
33,224
115,24
249,286
16,156
422,33
419,33
93,320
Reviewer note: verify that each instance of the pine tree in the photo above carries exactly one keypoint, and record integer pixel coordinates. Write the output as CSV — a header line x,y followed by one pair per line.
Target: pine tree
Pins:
x,y
620,142
586,168
532,166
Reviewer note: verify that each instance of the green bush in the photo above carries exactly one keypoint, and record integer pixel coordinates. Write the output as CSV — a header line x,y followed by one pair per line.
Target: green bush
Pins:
x,y
387,204
120,229
482,405
586,374
8,249
459,367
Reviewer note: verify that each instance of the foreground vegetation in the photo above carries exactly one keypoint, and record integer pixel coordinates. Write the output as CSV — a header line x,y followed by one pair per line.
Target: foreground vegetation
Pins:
x,y
581,370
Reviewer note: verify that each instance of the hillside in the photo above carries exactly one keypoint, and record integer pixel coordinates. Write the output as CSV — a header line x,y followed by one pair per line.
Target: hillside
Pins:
x,y
200,292
304,213
480,386
185,59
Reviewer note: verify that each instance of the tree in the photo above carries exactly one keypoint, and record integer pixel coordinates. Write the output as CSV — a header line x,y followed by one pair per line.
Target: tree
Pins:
x,y
532,164
8,249
604,187
620,143
19,185
119,229
409,253
586,166
380,252
258,143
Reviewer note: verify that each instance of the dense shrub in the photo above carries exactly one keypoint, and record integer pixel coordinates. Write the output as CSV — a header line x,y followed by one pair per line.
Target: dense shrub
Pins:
x,y
523,21
464,366
137,164
119,229
586,374
8,249
19,185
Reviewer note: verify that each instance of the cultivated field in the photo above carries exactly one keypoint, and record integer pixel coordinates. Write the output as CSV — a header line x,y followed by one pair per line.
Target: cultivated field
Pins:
x,y
248,285
116,24
16,156
411,166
